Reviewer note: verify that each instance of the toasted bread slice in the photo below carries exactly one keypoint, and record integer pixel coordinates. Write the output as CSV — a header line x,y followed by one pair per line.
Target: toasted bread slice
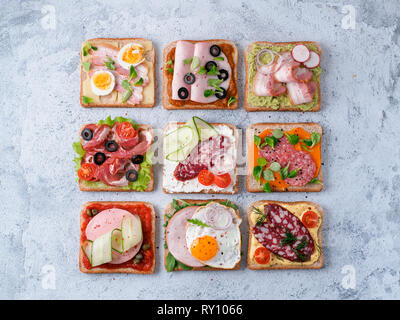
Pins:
x,y
230,50
257,128
113,100
297,208
169,211
211,189
84,264
100,186
249,106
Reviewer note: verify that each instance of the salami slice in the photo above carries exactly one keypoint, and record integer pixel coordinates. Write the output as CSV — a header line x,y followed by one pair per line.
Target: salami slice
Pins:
x,y
284,234
306,166
201,157
281,153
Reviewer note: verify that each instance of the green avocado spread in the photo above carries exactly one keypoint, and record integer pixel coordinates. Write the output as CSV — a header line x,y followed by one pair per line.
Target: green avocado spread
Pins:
x,y
282,100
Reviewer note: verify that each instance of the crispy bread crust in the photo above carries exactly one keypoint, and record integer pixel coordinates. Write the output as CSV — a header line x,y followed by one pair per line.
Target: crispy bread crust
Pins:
x,y
117,270
149,188
210,106
251,108
236,187
251,183
169,209
119,105
317,265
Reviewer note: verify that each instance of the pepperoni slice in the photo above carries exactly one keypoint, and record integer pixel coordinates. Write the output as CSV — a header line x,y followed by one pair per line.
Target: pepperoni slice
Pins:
x,y
262,255
310,219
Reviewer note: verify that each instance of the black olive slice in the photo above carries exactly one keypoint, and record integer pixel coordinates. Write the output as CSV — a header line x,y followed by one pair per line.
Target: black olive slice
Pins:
x,y
189,78
183,93
111,146
87,134
99,158
209,65
223,74
131,175
137,159
220,95
215,51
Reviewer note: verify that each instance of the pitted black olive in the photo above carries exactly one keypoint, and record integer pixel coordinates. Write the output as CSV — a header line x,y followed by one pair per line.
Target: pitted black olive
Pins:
x,y
131,175
87,134
189,78
111,146
220,95
183,93
137,159
223,74
99,158
215,51
209,65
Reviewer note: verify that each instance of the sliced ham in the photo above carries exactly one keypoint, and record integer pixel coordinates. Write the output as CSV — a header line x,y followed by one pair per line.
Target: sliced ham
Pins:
x,y
175,237
264,85
106,221
184,50
300,93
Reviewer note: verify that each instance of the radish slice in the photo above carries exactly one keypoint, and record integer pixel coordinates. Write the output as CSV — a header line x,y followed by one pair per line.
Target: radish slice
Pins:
x,y
314,60
300,53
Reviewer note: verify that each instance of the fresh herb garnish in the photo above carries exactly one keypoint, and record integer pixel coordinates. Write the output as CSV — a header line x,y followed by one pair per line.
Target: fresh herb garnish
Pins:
x,y
275,166
215,83
262,216
195,63
257,140
219,58
315,181
183,266
202,70
139,82
198,223
267,187
213,71
293,138
229,204
262,162
91,46
208,93
127,94
169,62
289,239
293,173
170,70
85,51
270,141
86,65
132,73
257,171
284,172
277,133
268,175
110,63
86,100
315,138
188,61
170,262
303,244
231,100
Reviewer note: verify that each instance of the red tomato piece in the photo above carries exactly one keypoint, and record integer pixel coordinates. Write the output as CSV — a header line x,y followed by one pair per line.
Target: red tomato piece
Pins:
x,y
205,177
262,255
87,171
125,130
223,180
310,219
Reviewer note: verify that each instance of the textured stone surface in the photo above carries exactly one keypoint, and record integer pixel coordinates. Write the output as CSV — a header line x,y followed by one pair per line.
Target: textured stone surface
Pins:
x,y
41,115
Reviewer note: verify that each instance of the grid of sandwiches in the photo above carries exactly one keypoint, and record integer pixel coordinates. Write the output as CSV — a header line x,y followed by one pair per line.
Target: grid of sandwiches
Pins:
x,y
199,156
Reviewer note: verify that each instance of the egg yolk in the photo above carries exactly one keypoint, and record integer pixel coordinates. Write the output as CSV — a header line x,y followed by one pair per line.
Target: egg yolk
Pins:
x,y
102,80
204,248
133,55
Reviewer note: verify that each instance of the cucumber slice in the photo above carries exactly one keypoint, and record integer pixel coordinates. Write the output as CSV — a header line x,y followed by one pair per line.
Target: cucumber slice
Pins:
x,y
178,139
117,243
131,232
101,251
204,129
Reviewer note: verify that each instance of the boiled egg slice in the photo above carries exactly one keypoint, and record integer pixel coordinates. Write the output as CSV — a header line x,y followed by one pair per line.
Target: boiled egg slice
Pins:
x,y
102,82
131,54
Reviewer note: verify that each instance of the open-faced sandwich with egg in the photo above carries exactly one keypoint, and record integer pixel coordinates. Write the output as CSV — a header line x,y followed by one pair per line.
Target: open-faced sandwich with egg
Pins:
x,y
117,73
117,237
202,235
283,76
200,75
200,157
114,155
284,157
284,235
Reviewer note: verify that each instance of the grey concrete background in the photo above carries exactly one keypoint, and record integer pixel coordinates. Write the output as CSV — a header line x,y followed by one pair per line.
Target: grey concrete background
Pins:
x,y
41,115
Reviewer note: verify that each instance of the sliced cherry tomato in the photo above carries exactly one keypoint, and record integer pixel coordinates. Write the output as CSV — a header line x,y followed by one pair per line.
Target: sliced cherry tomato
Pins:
x,y
310,219
87,171
223,180
262,255
206,178
125,130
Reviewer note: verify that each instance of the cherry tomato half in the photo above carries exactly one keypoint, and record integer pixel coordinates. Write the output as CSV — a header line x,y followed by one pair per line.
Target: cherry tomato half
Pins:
x,y
310,219
223,180
125,130
262,255
205,177
87,171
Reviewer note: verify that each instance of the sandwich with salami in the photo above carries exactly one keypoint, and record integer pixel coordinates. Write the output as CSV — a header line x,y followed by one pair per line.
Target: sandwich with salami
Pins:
x,y
200,157
202,235
283,76
117,237
117,73
114,155
285,235
200,75
284,157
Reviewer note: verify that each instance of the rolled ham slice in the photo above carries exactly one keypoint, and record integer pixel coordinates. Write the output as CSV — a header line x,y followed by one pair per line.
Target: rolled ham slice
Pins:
x,y
184,50
264,85
202,51
104,222
300,92
175,237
